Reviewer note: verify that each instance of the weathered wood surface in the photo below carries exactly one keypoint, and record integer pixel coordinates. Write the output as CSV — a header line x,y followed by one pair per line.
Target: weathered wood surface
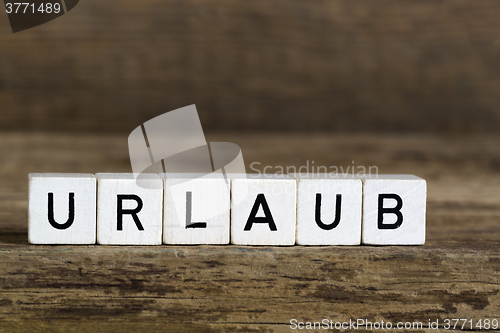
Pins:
x,y
240,289
257,65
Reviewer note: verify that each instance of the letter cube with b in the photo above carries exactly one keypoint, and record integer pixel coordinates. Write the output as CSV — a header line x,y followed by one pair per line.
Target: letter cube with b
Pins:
x,y
394,210
62,208
128,214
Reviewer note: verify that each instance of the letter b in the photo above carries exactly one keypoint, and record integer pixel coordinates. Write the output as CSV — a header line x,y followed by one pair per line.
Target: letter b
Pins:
x,y
396,210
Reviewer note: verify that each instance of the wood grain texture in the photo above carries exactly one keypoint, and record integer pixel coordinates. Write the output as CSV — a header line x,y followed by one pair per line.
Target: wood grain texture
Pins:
x,y
257,65
257,289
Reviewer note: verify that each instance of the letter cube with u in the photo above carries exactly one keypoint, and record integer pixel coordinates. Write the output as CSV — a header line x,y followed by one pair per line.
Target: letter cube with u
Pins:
x,y
62,208
394,210
328,209
128,214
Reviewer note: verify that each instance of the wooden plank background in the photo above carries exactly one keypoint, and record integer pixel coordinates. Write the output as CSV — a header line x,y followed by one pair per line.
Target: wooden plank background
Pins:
x,y
280,65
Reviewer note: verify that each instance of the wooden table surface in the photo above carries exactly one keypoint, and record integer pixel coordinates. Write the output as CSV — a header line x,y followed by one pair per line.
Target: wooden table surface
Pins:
x,y
260,289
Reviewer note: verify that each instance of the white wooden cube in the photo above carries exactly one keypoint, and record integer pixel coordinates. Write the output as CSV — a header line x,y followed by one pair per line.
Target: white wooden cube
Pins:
x,y
196,208
263,209
394,210
328,209
128,214
62,208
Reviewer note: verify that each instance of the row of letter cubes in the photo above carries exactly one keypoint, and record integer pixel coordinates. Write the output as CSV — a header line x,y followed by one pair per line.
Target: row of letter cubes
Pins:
x,y
243,209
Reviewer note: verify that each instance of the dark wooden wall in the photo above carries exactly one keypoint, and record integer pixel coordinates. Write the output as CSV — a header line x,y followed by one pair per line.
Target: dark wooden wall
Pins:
x,y
276,65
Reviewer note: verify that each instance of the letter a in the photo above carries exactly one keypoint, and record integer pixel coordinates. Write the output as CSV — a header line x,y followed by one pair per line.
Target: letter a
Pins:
x,y
268,218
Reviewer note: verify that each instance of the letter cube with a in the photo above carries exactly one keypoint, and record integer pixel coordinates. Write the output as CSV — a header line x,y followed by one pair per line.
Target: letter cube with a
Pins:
x,y
128,214
196,208
263,209
62,208
328,209
394,210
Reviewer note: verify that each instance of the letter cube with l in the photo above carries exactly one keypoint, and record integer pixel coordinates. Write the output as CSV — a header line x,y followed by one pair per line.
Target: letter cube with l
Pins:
x,y
128,214
196,208
394,210
263,209
328,209
62,208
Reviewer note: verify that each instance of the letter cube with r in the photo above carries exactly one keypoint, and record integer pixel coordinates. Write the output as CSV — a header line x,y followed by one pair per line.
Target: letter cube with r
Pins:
x,y
128,214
